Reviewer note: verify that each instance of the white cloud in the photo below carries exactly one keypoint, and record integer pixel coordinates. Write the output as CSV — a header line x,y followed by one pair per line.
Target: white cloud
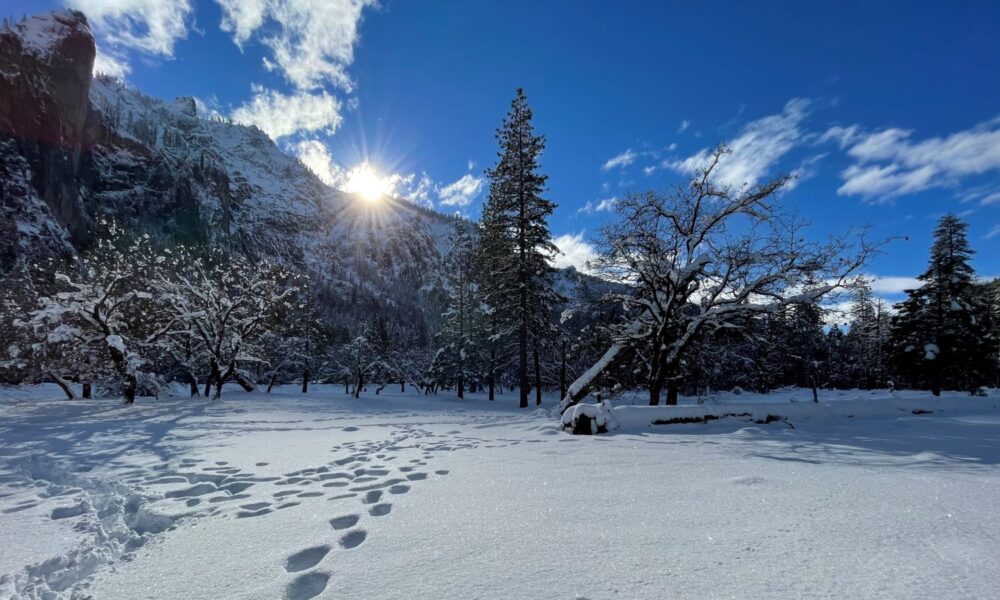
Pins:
x,y
461,192
882,284
622,160
990,198
598,206
150,26
279,115
315,155
312,43
756,150
648,170
890,163
418,190
574,251
110,64
993,232
684,125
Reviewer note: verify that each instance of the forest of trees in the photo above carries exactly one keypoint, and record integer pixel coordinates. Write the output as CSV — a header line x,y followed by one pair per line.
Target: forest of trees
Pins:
x,y
709,288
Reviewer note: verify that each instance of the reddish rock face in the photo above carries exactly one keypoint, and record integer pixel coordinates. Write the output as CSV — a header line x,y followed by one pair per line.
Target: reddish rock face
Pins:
x,y
45,76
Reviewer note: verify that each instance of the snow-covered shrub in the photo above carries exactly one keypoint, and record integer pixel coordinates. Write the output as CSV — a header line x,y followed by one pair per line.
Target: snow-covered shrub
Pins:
x,y
981,392
589,419
737,391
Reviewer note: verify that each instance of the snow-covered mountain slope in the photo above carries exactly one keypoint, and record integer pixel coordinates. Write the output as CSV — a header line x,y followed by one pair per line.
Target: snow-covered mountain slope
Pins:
x,y
73,148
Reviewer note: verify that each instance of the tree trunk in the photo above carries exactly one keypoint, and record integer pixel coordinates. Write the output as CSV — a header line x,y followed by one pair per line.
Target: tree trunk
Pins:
x,y
130,388
245,383
493,373
538,377
522,363
562,373
87,389
193,384
63,384
460,387
270,382
402,387
360,383
305,381
672,391
654,392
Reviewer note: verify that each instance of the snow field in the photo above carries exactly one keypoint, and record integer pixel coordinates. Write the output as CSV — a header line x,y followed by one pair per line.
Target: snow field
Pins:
x,y
280,496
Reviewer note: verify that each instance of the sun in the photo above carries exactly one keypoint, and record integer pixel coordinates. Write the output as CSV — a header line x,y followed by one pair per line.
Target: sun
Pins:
x,y
365,182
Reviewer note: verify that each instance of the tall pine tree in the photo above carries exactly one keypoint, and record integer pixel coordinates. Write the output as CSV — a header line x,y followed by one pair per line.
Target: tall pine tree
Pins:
x,y
516,243
941,334
458,355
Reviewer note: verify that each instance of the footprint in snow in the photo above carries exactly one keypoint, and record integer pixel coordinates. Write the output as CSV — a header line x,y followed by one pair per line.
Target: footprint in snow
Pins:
x,y
245,514
442,471
216,499
399,489
353,539
380,510
416,476
306,586
345,521
372,497
65,512
306,559
351,428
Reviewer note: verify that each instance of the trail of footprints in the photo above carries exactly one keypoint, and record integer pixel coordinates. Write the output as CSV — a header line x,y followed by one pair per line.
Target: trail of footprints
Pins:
x,y
363,474
371,471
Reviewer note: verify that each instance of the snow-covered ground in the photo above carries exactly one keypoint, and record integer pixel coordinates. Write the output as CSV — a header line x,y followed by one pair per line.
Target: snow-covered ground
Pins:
x,y
390,496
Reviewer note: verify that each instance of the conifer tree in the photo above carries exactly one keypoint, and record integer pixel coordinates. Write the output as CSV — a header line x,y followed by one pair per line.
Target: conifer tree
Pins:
x,y
516,243
941,334
458,357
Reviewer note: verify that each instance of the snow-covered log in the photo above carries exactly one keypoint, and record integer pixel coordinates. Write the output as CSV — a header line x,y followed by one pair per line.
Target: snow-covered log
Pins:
x,y
589,419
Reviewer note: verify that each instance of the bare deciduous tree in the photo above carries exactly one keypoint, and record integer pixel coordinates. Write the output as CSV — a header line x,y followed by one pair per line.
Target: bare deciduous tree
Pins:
x,y
698,259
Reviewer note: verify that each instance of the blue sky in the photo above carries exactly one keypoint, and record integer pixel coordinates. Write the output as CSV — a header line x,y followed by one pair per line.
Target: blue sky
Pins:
x,y
888,112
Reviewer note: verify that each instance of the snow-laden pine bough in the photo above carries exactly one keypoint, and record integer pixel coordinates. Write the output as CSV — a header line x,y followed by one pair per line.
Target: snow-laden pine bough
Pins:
x,y
702,258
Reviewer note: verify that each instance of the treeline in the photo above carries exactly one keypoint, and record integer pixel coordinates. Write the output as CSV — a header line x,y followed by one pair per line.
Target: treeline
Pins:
x,y
700,288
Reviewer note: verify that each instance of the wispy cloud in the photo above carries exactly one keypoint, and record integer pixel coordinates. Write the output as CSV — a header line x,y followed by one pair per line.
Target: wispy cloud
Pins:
x,y
993,232
684,125
591,207
622,160
315,155
152,27
756,150
890,163
574,251
461,192
111,64
311,43
280,115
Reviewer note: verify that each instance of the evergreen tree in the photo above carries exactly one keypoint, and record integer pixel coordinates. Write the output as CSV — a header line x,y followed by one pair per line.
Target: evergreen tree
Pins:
x,y
458,356
867,338
516,242
940,335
